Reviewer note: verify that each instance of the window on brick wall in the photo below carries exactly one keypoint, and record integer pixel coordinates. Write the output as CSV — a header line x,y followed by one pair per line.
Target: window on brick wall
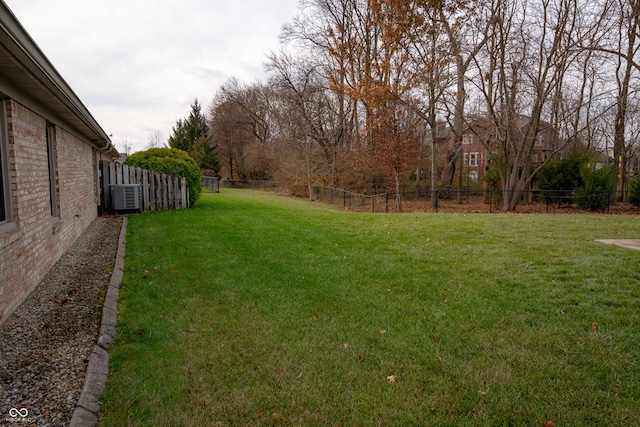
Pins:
x,y
53,170
3,213
471,159
5,201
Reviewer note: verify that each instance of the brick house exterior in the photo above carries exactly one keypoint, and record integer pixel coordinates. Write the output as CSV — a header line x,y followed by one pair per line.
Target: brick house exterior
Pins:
x,y
479,145
50,146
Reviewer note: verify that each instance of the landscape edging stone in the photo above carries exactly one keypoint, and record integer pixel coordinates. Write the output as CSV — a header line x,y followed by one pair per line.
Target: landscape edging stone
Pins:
x,y
87,411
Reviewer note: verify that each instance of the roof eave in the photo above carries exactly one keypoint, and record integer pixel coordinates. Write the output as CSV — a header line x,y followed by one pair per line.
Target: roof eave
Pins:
x,y
57,94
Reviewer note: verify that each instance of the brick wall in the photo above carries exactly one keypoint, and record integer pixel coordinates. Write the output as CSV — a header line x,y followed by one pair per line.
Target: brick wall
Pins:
x,y
38,240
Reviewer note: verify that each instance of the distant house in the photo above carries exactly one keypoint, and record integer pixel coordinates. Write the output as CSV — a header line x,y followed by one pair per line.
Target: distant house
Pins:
x,y
50,146
479,144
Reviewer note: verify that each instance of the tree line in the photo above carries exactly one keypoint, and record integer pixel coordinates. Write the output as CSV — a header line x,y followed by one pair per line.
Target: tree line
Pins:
x,y
360,91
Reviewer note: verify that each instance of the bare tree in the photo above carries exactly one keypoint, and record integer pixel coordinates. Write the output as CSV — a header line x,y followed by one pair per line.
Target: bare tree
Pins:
x,y
628,45
522,77
254,100
429,51
227,122
155,140
468,27
312,113
126,147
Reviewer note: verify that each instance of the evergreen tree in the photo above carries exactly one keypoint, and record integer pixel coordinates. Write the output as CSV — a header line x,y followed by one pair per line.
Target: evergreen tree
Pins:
x,y
192,135
205,155
179,137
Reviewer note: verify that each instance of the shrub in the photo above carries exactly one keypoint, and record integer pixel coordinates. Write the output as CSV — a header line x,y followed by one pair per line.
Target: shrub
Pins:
x,y
557,180
634,193
170,161
595,192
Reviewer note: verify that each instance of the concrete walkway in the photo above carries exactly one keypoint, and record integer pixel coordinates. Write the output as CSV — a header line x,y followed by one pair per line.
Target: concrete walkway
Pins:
x,y
626,243
87,411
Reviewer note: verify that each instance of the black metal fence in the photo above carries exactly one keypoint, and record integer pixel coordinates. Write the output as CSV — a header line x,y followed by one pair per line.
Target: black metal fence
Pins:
x,y
250,184
380,200
487,201
210,183
352,200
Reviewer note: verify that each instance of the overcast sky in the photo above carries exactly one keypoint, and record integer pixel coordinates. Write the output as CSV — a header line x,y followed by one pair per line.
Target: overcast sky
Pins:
x,y
138,65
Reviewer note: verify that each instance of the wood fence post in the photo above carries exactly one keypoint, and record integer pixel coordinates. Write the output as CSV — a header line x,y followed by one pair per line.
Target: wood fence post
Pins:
x,y
163,179
145,189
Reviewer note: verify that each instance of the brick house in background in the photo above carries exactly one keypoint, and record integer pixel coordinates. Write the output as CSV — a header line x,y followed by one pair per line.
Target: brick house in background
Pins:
x,y
479,145
50,146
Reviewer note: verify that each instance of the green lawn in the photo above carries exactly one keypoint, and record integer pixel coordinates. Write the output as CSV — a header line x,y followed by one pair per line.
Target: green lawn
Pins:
x,y
255,309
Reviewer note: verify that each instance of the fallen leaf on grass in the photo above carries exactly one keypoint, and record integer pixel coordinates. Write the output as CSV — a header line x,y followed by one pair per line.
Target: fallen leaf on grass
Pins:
x,y
382,331
345,345
391,378
594,325
549,424
482,392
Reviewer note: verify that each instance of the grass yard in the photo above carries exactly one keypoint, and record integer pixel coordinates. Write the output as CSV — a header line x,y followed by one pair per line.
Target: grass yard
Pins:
x,y
256,309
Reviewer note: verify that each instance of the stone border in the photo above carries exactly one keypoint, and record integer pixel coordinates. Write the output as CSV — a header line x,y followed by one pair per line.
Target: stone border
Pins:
x,y
88,407
624,243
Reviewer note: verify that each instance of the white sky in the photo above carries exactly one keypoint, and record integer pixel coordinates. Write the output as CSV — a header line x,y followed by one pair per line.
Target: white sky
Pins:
x,y
138,65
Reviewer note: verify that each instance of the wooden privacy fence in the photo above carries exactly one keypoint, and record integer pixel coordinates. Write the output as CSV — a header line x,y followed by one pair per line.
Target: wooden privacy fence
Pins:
x,y
158,191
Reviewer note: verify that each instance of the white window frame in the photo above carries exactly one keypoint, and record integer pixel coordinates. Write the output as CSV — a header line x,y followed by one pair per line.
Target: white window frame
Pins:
x,y
472,159
467,139
6,216
53,169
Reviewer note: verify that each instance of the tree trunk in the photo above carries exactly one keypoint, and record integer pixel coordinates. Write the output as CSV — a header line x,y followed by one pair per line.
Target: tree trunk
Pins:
x,y
396,173
450,168
619,168
434,169
307,156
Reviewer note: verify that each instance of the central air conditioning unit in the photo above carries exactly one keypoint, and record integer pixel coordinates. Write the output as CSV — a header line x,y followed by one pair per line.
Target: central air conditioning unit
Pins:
x,y
126,197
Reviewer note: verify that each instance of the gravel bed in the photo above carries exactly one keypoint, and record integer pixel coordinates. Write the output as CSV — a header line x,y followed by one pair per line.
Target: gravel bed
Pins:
x,y
46,343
